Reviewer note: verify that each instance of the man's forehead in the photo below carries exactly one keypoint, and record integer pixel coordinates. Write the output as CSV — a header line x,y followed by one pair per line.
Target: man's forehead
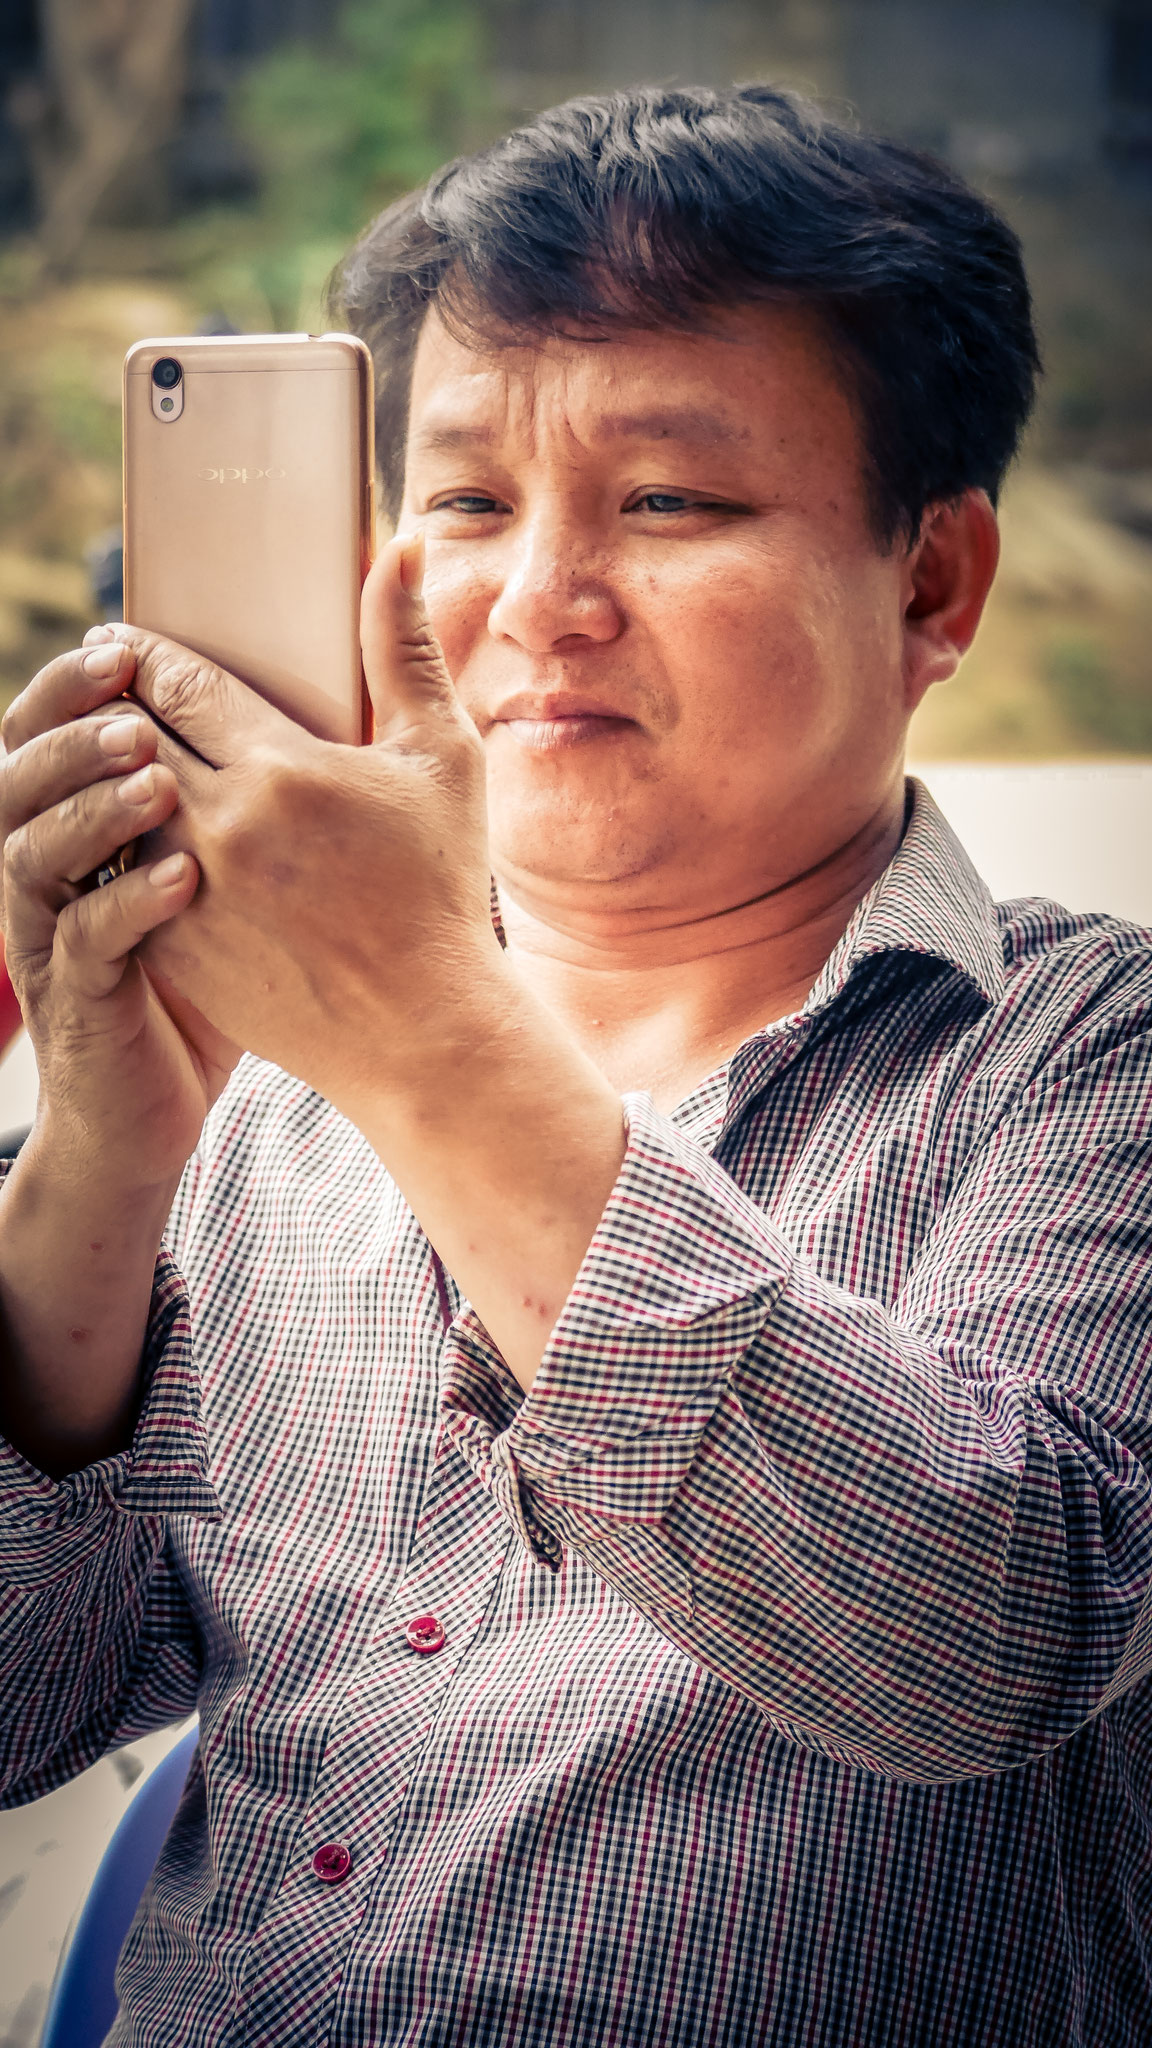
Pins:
x,y
449,423
691,389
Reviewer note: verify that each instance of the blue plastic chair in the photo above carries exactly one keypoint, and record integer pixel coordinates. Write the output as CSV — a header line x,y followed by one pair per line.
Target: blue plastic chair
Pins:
x,y
83,2004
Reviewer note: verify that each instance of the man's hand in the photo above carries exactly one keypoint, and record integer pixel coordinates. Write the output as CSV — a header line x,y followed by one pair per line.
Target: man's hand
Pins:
x,y
342,913
125,1085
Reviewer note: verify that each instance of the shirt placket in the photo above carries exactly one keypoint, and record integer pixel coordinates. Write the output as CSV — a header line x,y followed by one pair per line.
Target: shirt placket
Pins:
x,y
342,1850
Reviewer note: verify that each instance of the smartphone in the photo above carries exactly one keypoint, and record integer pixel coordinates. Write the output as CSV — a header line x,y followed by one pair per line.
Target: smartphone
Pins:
x,y
249,512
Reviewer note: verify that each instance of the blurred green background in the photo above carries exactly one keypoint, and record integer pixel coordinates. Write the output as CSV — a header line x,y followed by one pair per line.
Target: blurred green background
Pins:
x,y
167,164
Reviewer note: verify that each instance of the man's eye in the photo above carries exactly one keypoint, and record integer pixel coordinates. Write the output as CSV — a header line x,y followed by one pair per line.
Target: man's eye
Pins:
x,y
468,502
662,501
670,502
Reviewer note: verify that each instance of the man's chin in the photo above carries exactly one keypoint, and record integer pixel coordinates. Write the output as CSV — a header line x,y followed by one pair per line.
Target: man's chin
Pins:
x,y
546,857
568,831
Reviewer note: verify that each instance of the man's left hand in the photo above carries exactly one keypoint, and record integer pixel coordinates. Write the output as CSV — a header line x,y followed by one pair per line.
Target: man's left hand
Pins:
x,y
343,908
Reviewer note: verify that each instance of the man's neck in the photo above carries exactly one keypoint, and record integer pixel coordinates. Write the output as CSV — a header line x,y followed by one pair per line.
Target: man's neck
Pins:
x,y
660,1005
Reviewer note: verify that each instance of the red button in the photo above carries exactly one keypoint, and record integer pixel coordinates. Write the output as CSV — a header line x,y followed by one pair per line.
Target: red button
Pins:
x,y
425,1634
332,1862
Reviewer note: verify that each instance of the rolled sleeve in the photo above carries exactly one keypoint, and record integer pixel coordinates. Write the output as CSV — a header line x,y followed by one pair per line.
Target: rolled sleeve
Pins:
x,y
680,1277
50,1527
916,1534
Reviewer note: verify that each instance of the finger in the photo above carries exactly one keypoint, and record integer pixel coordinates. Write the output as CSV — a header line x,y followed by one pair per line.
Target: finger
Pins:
x,y
47,862
67,758
211,712
404,667
95,934
75,683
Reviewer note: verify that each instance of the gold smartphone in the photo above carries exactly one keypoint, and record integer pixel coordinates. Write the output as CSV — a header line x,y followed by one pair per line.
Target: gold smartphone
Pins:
x,y
248,512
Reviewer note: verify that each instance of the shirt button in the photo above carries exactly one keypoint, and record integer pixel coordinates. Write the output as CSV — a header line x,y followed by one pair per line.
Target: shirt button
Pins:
x,y
332,1862
425,1634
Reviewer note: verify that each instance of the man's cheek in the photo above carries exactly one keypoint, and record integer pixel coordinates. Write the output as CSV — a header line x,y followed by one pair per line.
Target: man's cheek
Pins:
x,y
458,607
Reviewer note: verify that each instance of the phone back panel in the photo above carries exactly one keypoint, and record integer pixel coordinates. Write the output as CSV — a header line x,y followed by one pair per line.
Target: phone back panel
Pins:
x,y
248,520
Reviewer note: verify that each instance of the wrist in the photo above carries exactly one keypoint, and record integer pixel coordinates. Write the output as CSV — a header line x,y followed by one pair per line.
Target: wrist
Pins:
x,y
506,1142
402,1073
487,1051
79,1172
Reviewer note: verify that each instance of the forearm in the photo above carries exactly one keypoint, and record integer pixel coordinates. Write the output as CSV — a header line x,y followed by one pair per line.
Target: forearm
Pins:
x,y
77,1261
506,1146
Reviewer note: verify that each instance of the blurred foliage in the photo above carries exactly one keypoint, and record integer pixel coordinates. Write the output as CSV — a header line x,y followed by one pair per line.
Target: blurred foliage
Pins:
x,y
61,348
338,130
83,421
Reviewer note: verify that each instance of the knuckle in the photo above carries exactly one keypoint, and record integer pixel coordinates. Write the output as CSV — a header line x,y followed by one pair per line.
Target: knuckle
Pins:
x,y
20,773
176,680
82,807
42,702
20,864
291,786
419,643
10,724
60,748
73,930
14,726
232,834
462,756
267,767
274,787
79,924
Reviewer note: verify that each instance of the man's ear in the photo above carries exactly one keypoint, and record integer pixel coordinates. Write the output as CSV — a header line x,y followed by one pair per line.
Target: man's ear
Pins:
x,y
949,573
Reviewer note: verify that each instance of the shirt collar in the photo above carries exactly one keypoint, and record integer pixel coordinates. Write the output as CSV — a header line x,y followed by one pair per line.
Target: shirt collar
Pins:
x,y
929,902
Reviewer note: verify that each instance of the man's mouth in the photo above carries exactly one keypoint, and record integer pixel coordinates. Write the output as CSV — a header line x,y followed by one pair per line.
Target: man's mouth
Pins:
x,y
547,722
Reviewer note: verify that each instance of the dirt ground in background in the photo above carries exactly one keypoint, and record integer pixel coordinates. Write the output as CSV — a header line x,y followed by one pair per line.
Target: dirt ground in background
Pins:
x,y
1061,668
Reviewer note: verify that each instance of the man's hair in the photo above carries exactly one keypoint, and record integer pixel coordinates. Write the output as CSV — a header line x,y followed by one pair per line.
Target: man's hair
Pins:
x,y
659,208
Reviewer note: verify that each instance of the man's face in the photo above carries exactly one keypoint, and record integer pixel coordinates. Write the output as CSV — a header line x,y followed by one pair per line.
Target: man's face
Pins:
x,y
650,567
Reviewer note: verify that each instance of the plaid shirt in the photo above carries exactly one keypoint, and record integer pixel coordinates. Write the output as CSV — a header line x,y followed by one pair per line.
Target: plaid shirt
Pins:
x,y
796,1632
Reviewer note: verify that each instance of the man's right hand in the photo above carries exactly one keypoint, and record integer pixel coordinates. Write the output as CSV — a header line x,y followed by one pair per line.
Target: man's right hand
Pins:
x,y
123,1084
127,1068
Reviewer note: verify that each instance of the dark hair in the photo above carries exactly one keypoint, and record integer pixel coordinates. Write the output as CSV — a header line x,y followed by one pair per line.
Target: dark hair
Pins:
x,y
657,207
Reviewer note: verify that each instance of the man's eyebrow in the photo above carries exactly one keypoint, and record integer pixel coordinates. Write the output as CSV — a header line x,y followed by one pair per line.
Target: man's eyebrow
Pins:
x,y
446,440
684,425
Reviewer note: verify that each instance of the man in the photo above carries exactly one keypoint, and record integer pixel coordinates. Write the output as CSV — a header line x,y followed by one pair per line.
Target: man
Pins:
x,y
661,1553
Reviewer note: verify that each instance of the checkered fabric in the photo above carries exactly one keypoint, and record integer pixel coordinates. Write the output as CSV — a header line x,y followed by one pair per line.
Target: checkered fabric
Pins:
x,y
794,1685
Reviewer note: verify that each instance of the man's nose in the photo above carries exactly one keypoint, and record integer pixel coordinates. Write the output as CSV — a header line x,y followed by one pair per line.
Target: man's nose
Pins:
x,y
556,587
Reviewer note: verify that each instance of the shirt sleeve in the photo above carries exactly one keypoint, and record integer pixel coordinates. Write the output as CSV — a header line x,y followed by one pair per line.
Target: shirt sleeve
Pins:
x,y
918,1535
97,1642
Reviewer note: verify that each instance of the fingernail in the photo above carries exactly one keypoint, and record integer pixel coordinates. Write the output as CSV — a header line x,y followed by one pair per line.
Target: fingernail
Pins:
x,y
138,787
167,871
412,565
118,736
96,634
105,659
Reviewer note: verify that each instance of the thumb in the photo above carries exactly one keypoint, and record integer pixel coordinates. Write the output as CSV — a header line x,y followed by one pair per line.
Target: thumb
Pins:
x,y
406,674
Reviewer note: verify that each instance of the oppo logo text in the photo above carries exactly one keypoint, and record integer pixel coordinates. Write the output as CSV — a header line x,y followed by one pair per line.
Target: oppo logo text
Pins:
x,y
242,476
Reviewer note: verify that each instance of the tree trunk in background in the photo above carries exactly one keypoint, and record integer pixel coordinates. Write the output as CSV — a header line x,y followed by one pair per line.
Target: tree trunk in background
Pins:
x,y
99,116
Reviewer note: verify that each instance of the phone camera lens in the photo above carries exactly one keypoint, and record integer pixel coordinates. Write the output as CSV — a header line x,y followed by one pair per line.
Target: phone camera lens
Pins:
x,y
166,372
